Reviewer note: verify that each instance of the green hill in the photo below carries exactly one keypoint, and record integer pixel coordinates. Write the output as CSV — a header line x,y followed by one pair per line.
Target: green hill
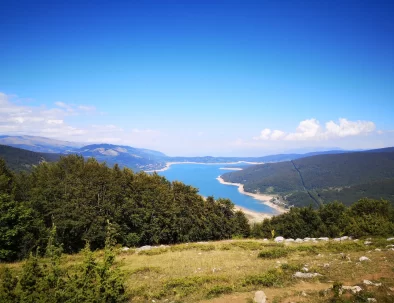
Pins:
x,y
23,160
323,178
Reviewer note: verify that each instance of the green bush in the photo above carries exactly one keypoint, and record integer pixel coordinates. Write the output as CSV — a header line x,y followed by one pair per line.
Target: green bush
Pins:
x,y
274,253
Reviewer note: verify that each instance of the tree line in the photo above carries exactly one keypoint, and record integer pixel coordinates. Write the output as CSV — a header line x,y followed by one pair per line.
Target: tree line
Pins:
x,y
79,196
366,217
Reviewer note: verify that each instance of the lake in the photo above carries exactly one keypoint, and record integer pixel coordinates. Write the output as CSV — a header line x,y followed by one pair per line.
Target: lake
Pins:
x,y
204,177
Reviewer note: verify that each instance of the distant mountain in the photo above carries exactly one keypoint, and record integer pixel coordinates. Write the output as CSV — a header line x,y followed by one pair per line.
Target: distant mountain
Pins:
x,y
323,178
39,144
134,158
23,160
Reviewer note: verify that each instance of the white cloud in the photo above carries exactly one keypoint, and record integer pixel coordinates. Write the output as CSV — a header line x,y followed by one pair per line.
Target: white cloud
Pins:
x,y
311,129
54,122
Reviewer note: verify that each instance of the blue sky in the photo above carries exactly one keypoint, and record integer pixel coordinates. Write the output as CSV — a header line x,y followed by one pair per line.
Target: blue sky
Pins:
x,y
200,77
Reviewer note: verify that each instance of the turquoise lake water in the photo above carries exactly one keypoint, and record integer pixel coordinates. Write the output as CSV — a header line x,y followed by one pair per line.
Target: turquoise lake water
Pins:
x,y
204,177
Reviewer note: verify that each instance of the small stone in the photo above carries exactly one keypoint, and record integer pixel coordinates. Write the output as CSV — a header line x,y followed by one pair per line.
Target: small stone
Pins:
x,y
337,239
378,249
363,258
298,240
260,297
146,247
371,300
125,248
323,239
289,240
308,275
279,239
353,289
326,265
367,282
305,269
344,238
390,239
367,242
303,294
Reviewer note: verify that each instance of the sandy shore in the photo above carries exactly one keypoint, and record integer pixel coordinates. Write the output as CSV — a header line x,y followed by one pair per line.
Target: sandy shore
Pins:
x,y
253,216
168,164
230,168
264,198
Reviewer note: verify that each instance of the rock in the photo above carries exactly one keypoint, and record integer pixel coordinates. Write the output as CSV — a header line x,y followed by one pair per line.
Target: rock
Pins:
x,y
265,239
303,294
326,265
125,248
307,239
363,258
323,239
279,239
367,242
260,297
298,240
305,269
344,238
337,239
390,239
289,240
353,289
378,249
146,247
371,300
308,275
355,240
367,282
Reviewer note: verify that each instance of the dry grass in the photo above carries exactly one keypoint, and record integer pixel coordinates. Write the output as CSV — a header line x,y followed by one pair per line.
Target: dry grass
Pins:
x,y
230,271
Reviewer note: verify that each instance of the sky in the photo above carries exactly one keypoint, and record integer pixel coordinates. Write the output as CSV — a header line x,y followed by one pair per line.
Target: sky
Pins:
x,y
221,78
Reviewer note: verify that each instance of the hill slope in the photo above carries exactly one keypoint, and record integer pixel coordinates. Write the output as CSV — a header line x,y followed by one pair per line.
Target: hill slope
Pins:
x,y
323,178
22,160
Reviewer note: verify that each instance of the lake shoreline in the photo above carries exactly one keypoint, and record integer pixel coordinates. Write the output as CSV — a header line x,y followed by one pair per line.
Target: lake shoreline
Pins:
x,y
261,197
168,164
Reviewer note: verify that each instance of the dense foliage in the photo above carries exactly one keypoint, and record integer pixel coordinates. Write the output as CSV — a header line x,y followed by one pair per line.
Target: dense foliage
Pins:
x,y
79,196
23,160
324,178
46,280
363,218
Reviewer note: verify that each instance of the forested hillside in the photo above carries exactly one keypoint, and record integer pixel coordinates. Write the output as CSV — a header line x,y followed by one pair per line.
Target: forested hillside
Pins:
x,y
79,196
23,160
319,179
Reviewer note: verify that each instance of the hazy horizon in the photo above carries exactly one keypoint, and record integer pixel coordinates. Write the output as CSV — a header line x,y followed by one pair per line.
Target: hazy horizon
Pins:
x,y
233,78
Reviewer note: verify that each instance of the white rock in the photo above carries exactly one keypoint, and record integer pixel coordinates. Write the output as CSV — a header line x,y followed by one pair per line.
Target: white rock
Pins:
x,y
265,239
299,274
390,239
125,248
372,300
337,239
344,238
367,242
367,282
305,269
303,294
307,239
289,240
378,249
260,297
353,289
146,247
326,265
279,239
324,239
298,240
363,258
355,240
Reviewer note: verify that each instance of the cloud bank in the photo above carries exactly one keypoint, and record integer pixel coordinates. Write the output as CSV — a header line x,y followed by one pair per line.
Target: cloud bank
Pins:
x,y
312,130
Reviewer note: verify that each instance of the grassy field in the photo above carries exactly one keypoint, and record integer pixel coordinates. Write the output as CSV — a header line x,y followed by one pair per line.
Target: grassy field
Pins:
x,y
231,271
